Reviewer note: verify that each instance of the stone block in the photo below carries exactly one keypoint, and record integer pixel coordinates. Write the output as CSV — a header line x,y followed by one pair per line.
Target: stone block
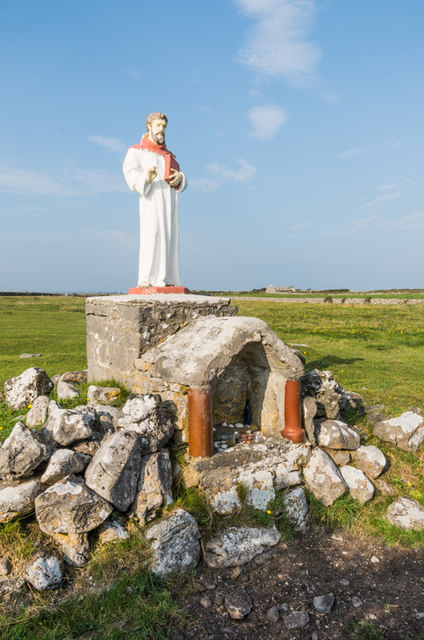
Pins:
x,y
121,328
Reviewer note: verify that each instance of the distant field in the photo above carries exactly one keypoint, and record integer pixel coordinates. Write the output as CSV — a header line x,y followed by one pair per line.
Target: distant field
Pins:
x,y
376,351
52,326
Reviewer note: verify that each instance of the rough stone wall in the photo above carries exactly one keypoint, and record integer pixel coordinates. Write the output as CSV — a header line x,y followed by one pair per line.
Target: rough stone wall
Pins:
x,y
121,328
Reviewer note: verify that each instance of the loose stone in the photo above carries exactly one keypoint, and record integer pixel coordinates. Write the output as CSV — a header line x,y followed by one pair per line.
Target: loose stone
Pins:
x,y
273,614
296,620
238,604
206,602
324,604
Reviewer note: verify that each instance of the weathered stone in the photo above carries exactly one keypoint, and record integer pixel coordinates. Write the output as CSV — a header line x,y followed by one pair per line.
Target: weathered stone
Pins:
x,y
74,547
205,602
324,604
30,355
122,328
359,486
102,395
44,573
273,614
110,414
336,434
238,604
323,478
66,390
296,507
229,354
370,459
175,543
236,546
87,447
296,619
62,463
322,386
262,468
112,531
24,389
405,432
17,499
69,506
21,453
154,488
114,470
5,566
143,415
406,513
38,413
79,377
309,406
339,456
67,426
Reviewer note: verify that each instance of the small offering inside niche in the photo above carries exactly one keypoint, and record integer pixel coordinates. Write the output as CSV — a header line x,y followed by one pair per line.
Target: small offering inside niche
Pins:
x,y
226,435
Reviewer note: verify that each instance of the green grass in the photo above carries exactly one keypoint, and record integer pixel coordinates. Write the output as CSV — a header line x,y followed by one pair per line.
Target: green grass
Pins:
x,y
375,351
53,326
367,631
136,607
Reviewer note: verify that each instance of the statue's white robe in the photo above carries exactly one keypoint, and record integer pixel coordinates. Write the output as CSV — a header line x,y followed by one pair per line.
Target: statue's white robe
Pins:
x,y
159,234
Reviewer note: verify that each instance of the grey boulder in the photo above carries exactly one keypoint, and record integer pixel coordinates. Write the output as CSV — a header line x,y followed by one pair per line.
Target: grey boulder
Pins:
x,y
67,426
115,467
66,390
17,499
24,389
296,507
154,488
75,547
359,486
336,434
142,415
370,459
236,546
406,513
62,463
405,431
38,413
44,573
103,395
21,453
69,506
175,544
323,478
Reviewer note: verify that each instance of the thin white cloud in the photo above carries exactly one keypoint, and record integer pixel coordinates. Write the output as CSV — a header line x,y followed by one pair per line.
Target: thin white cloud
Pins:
x,y
72,181
205,185
20,180
377,202
112,144
278,44
387,187
301,225
134,74
350,153
376,222
243,174
266,121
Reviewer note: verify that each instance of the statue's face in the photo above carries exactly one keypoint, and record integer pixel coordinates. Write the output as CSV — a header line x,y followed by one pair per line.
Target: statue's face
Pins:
x,y
156,131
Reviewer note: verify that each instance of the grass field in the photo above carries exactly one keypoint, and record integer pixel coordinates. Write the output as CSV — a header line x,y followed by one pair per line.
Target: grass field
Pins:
x,y
376,351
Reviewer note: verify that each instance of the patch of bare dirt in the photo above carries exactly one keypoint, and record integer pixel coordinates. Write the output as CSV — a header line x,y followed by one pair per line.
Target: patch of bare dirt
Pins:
x,y
383,586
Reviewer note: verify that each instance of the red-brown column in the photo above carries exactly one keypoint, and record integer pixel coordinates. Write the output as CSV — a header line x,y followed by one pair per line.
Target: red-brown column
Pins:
x,y
292,413
200,432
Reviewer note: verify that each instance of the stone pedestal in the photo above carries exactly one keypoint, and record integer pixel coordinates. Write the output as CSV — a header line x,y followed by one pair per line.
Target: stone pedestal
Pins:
x,y
120,329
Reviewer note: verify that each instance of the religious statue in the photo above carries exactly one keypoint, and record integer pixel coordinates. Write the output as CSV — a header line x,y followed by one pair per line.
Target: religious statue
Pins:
x,y
153,172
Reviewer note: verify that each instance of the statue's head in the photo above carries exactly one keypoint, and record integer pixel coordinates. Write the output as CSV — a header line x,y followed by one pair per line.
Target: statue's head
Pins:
x,y
156,124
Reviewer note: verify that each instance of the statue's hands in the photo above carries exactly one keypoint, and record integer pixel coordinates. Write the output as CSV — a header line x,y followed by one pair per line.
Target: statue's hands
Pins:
x,y
176,178
151,174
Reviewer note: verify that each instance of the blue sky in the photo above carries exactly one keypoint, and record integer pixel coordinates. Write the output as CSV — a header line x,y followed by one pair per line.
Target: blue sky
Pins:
x,y
299,124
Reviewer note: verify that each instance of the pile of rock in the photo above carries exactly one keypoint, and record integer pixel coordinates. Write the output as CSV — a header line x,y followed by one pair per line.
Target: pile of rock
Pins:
x,y
73,468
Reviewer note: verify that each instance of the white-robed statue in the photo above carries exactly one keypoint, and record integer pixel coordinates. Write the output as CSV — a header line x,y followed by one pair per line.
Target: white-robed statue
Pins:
x,y
153,172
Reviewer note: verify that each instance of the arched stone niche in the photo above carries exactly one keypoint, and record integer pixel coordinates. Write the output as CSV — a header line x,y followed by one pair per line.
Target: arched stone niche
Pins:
x,y
230,355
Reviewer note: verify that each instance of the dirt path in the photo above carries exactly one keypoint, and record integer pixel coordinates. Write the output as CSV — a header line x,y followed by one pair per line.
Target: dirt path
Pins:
x,y
382,586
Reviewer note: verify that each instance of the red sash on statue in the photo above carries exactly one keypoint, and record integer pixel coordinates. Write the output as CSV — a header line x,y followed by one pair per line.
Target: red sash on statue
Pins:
x,y
170,160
